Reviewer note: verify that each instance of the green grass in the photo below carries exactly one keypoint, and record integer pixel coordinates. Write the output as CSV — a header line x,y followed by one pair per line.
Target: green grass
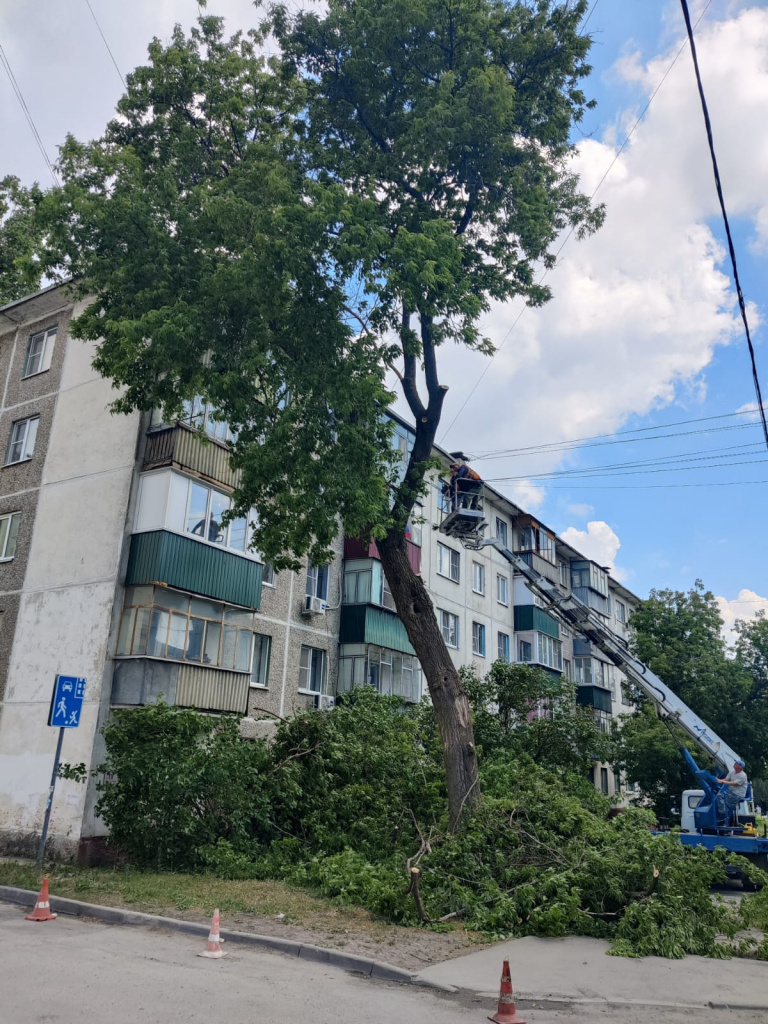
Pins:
x,y
169,893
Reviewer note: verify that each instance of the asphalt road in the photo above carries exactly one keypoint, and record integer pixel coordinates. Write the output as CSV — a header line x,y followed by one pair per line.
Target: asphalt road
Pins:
x,y
69,971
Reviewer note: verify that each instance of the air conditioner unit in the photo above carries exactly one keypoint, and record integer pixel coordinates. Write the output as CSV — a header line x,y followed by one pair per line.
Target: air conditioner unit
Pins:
x,y
324,701
314,606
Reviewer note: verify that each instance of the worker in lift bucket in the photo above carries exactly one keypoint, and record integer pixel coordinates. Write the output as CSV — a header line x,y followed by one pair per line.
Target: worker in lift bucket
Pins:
x,y
733,792
464,486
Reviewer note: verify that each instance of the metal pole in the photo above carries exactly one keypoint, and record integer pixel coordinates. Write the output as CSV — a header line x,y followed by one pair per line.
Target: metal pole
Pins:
x,y
47,818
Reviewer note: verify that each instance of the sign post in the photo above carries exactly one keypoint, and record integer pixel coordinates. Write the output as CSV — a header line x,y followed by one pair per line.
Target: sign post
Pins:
x,y
66,705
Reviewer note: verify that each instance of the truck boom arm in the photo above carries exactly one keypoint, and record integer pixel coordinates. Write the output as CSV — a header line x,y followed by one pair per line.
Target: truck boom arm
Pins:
x,y
586,622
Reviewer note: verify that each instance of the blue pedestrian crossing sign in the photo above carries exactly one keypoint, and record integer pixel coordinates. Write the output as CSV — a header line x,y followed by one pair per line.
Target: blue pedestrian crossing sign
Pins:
x,y
67,702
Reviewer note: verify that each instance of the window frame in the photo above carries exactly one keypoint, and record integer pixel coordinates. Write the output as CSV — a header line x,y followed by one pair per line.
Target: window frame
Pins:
x,y
478,578
454,562
478,639
502,534
503,647
449,623
46,353
500,576
264,660
621,611
25,453
524,647
9,537
312,657
318,578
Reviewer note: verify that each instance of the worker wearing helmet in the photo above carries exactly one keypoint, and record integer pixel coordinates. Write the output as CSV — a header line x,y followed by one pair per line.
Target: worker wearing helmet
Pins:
x,y
734,790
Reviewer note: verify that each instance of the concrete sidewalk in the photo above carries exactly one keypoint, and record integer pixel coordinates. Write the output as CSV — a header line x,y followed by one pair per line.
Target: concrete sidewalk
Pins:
x,y
577,970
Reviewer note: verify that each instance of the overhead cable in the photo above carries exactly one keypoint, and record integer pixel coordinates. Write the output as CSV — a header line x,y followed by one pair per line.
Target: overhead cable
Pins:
x,y
109,51
25,109
731,249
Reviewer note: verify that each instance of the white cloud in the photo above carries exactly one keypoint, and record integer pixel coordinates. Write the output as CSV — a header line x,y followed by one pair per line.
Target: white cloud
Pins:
x,y
745,606
581,510
598,542
638,309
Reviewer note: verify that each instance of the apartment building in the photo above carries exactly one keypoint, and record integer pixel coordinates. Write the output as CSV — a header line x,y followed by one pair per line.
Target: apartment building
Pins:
x,y
116,566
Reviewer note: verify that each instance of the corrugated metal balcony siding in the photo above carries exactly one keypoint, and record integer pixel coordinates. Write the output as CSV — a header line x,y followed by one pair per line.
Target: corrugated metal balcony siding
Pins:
x,y
366,624
541,565
182,447
594,697
592,599
360,549
212,689
190,565
528,616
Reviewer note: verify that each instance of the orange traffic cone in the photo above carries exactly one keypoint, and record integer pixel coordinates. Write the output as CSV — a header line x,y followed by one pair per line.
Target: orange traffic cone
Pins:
x,y
506,1013
42,911
213,950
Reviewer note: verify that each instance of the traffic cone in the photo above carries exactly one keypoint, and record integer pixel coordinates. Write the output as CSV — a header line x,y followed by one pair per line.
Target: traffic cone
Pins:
x,y
213,950
42,911
506,1013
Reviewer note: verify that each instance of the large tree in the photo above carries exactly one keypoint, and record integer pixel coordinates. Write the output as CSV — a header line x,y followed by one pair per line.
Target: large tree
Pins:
x,y
277,236
20,239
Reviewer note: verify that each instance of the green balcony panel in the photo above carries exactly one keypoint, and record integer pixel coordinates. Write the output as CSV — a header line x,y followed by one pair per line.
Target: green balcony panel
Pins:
x,y
528,616
594,697
187,564
364,624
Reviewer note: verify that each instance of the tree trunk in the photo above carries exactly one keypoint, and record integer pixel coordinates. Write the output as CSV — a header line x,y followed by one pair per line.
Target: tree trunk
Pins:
x,y
449,699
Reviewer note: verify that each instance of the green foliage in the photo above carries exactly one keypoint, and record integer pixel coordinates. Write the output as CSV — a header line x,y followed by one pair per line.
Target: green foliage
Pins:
x,y
342,801
679,635
20,239
74,772
528,710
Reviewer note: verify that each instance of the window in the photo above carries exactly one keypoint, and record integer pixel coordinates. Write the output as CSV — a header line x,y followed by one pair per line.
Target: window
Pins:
x,y
203,416
22,443
447,562
387,600
502,589
260,663
414,524
533,538
357,586
588,574
268,575
501,532
387,671
621,612
583,671
604,780
549,651
523,651
39,352
9,531
562,573
478,639
567,669
502,651
312,669
478,578
162,623
449,627
205,509
565,632
317,581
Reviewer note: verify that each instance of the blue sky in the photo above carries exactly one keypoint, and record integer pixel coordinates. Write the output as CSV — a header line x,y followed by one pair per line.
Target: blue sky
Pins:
x,y
642,330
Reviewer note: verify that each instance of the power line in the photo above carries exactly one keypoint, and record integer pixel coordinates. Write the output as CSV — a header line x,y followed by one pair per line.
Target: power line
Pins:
x,y
573,229
645,487
731,249
599,473
109,51
592,11
553,447
25,109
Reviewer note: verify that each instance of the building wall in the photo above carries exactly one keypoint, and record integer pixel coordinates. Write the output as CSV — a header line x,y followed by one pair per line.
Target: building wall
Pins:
x,y
64,578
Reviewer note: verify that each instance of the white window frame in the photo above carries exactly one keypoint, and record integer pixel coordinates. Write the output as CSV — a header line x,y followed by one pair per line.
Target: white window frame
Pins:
x,y
502,584
478,578
621,612
521,650
503,648
307,669
318,580
451,571
44,355
478,639
260,659
9,532
549,651
23,436
501,532
449,627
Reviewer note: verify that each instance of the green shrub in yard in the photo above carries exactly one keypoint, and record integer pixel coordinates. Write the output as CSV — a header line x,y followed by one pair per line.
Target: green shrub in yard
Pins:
x,y
343,802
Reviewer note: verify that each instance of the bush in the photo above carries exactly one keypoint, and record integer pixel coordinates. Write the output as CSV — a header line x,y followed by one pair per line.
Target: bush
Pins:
x,y
344,801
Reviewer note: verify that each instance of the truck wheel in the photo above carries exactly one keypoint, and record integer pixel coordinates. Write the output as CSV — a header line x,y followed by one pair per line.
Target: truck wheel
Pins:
x,y
748,885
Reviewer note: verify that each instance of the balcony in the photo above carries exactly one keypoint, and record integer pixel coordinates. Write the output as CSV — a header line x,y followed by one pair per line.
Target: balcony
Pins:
x,y
530,617
140,681
593,600
182,447
366,624
362,549
197,568
541,565
594,697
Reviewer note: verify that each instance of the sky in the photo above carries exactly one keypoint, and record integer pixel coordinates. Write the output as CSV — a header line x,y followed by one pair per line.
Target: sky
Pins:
x,y
641,348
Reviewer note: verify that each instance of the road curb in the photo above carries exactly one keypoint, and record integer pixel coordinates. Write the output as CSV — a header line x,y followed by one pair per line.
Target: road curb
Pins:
x,y
302,950
528,1002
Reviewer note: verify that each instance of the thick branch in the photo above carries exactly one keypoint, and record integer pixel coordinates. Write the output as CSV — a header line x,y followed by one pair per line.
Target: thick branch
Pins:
x,y
410,387
430,361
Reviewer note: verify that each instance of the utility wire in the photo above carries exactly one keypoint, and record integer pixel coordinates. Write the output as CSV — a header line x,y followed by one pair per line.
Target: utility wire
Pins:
x,y
573,229
109,51
645,487
25,109
592,11
586,442
731,249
